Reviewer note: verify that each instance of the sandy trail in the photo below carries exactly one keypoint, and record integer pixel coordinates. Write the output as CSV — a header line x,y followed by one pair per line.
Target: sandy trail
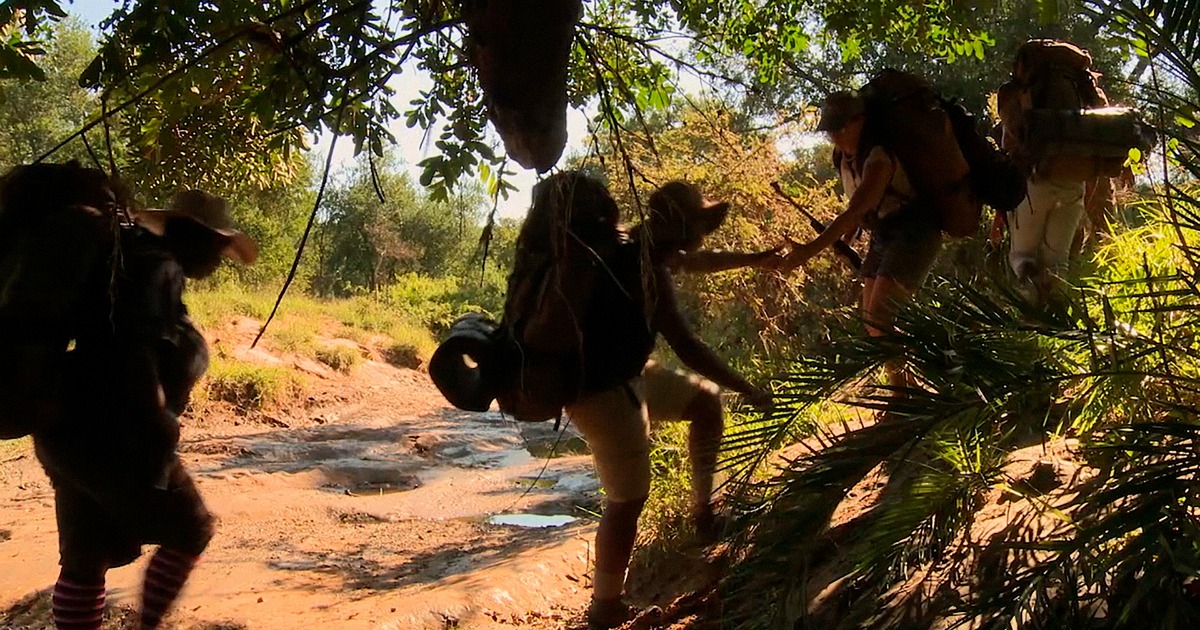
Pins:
x,y
368,511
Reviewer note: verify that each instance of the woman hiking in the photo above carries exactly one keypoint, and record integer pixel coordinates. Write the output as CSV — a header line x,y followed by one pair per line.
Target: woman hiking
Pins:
x,y
906,237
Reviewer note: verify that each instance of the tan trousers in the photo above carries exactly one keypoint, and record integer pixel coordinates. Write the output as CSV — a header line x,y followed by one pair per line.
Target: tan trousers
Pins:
x,y
616,424
1043,227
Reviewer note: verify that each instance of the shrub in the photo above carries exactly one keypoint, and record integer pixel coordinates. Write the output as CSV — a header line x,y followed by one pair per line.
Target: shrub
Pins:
x,y
293,335
410,347
251,387
341,357
424,300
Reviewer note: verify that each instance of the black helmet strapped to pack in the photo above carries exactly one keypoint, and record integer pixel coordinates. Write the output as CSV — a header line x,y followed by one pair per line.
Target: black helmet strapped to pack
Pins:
x,y
531,363
462,365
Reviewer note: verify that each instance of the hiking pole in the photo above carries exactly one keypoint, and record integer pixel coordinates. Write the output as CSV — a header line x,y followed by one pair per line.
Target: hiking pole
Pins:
x,y
840,247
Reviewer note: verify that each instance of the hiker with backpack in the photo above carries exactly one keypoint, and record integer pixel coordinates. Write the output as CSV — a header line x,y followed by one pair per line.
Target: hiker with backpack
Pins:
x,y
586,302
906,236
615,412
679,218
110,450
55,226
914,167
1059,129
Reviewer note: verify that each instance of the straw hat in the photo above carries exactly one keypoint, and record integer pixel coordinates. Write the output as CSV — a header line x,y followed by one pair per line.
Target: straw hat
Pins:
x,y
207,210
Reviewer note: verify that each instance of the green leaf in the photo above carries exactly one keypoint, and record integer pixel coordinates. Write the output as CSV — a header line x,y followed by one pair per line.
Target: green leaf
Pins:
x,y
1047,11
16,65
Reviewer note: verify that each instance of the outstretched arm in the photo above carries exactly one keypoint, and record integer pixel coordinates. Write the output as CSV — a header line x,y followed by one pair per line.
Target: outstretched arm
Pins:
x,y
717,260
877,174
687,346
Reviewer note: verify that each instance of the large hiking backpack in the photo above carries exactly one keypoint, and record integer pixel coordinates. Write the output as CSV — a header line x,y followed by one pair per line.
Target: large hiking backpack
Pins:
x,y
904,115
996,179
56,233
532,362
1057,123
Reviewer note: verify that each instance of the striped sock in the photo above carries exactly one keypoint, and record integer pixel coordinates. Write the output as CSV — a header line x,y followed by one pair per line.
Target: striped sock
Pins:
x,y
77,606
168,571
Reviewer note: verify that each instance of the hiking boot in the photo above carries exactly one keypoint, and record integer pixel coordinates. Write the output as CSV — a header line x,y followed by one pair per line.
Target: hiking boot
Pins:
x,y
704,520
608,613
709,521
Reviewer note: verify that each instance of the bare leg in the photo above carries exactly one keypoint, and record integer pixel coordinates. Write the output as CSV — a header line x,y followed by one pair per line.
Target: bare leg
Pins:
x,y
881,296
707,419
614,546
618,433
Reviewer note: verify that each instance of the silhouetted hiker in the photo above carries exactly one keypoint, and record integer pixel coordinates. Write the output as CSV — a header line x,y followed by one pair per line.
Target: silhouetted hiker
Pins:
x,y
56,230
624,396
1059,129
111,457
680,207
584,306
679,219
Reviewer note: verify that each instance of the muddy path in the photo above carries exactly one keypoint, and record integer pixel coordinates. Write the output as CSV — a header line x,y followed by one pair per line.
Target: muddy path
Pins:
x,y
375,507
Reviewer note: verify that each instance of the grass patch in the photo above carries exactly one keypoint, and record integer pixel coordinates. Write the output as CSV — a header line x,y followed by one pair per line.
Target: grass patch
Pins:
x,y
251,387
665,529
13,448
410,346
398,321
665,518
213,307
293,335
365,313
341,357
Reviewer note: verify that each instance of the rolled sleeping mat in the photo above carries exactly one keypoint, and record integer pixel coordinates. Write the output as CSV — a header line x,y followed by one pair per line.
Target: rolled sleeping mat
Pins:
x,y
458,365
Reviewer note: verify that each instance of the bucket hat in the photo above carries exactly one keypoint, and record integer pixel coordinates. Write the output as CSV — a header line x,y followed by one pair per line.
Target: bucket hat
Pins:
x,y
208,210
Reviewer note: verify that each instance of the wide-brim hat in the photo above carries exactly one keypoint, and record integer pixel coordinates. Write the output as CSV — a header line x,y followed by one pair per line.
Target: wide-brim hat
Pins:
x,y
839,109
679,208
209,211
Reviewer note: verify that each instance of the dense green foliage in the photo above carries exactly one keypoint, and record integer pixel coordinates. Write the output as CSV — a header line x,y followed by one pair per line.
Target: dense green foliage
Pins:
x,y
192,76
1110,365
34,116
378,226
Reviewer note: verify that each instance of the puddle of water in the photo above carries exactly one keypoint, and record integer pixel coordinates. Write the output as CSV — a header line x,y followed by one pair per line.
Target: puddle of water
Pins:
x,y
530,520
360,479
525,482
376,489
552,447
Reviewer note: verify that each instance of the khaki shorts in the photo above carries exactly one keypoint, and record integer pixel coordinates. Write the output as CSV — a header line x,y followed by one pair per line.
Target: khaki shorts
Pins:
x,y
616,424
